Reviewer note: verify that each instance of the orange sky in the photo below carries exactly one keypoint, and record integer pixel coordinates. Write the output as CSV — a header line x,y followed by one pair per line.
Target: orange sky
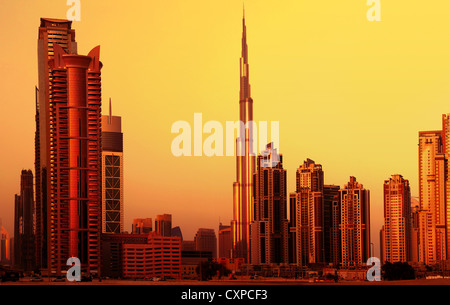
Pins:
x,y
348,93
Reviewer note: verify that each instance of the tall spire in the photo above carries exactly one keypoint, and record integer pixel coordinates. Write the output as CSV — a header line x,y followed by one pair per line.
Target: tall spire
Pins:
x,y
245,84
244,40
245,162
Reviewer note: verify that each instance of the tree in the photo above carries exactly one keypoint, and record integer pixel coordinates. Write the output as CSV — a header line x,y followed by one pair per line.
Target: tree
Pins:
x,y
398,271
206,270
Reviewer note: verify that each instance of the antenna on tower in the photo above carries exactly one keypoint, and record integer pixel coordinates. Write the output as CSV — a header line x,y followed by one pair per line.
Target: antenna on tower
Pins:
x,y
110,112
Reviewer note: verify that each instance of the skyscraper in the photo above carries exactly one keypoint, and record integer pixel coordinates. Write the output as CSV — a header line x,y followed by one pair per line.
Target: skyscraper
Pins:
x,y
50,31
5,253
206,240
68,151
331,223
397,220
112,169
163,225
24,247
225,244
269,229
176,232
307,206
415,229
432,196
446,145
433,214
142,226
245,163
355,224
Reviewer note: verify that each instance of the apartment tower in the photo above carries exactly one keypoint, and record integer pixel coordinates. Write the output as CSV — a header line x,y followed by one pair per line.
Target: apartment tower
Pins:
x,y
332,221
68,151
142,226
270,228
24,237
397,220
206,240
224,241
307,205
163,225
355,224
432,197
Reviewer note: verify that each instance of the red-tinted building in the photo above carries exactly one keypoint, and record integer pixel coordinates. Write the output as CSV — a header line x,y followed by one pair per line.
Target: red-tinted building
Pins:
x,y
396,233
68,151
24,248
159,257
245,163
112,260
232,264
206,240
225,242
50,31
163,225
354,224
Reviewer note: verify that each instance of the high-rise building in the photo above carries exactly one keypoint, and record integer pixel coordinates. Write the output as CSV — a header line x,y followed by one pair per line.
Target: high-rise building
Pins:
x,y
310,175
142,226
446,146
24,247
5,257
292,246
307,206
245,163
397,220
176,231
331,222
11,251
432,196
68,151
206,240
415,229
50,31
433,214
112,170
269,230
163,225
18,225
355,224
382,245
225,244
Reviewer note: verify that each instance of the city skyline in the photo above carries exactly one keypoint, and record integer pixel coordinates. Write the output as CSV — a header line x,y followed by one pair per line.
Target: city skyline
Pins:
x,y
265,36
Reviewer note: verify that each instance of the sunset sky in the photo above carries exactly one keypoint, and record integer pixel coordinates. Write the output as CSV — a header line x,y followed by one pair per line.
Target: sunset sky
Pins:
x,y
350,94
